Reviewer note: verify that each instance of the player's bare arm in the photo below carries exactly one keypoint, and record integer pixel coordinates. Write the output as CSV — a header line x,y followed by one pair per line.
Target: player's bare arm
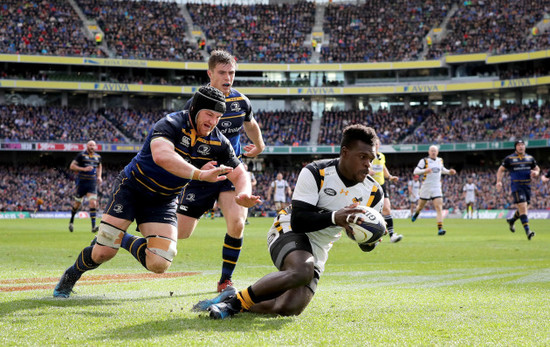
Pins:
x,y
99,173
500,174
75,167
389,176
165,156
535,172
252,130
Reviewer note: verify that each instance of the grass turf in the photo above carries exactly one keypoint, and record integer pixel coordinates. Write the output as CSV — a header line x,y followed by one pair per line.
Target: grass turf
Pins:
x,y
478,285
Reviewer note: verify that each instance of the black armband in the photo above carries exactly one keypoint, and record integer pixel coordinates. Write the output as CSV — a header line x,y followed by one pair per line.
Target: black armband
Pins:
x,y
306,218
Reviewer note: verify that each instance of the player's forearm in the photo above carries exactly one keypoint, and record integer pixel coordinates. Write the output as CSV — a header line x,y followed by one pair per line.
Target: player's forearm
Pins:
x,y
419,171
241,183
252,130
306,218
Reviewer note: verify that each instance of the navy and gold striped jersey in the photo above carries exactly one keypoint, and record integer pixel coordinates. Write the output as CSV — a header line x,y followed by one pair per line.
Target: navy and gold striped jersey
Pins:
x,y
520,168
85,159
177,128
238,111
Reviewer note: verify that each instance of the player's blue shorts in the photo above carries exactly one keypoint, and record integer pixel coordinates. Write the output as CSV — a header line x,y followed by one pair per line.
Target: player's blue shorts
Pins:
x,y
128,201
198,197
83,187
521,193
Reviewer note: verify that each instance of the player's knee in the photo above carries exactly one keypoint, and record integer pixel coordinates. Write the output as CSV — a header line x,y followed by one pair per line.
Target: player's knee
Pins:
x,y
162,251
101,254
300,277
157,264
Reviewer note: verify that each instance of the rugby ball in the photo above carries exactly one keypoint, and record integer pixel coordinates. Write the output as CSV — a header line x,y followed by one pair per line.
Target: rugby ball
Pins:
x,y
368,227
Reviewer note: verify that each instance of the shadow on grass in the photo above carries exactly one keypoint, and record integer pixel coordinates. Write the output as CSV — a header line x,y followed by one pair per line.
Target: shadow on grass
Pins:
x,y
9,307
245,322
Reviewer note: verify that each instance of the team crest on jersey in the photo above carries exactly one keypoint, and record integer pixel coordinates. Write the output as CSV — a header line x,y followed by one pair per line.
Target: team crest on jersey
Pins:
x,y
226,124
186,141
235,107
117,208
203,149
190,197
329,191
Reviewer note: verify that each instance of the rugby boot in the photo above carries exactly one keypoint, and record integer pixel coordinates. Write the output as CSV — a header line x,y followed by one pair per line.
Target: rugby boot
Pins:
x,y
204,304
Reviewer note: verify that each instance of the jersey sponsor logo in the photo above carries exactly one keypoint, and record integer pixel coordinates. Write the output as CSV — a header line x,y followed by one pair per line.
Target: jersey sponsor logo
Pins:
x,y
357,200
183,208
118,208
203,149
235,107
190,197
330,191
435,170
186,141
226,124
231,131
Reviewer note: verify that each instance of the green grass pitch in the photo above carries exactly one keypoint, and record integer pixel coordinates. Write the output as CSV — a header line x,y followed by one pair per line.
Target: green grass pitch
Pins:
x,y
478,285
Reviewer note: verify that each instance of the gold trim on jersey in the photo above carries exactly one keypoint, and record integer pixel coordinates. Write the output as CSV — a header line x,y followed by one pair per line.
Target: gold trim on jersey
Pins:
x,y
155,182
425,167
146,186
236,98
322,174
236,116
115,193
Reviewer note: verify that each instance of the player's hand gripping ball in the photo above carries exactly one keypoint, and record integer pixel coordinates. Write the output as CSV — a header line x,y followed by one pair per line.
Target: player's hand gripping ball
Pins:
x,y
368,227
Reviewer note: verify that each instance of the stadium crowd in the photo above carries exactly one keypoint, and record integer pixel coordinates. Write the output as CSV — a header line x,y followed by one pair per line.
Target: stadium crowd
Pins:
x,y
497,27
380,30
373,31
43,28
448,124
21,187
152,30
258,33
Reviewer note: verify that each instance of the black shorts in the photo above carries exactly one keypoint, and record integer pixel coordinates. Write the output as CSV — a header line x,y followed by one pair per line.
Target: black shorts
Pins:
x,y
521,194
288,243
386,190
198,197
83,187
129,202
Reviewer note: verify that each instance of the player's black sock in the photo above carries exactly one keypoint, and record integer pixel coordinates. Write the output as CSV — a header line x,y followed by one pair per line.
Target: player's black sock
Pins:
x,y
230,254
73,212
82,264
439,225
136,246
93,214
416,214
525,222
389,224
515,217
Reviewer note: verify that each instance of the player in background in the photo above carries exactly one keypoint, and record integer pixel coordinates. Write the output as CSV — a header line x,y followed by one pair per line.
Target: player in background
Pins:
x,y
87,165
522,168
253,184
327,193
431,167
147,189
380,173
198,197
469,195
279,189
414,192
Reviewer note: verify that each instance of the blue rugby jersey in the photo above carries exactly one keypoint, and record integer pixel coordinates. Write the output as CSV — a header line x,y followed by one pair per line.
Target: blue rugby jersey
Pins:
x,y
238,111
85,159
177,128
519,168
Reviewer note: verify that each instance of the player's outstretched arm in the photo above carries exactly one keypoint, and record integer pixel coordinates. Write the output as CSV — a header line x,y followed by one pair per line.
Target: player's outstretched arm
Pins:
x,y
252,130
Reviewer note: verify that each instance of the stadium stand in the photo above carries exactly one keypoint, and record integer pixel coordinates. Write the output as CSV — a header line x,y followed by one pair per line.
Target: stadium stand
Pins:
x,y
43,28
497,27
258,33
143,29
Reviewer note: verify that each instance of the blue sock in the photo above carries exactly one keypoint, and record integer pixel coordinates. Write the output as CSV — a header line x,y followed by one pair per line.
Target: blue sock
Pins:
x,y
136,246
93,213
230,254
83,263
525,221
